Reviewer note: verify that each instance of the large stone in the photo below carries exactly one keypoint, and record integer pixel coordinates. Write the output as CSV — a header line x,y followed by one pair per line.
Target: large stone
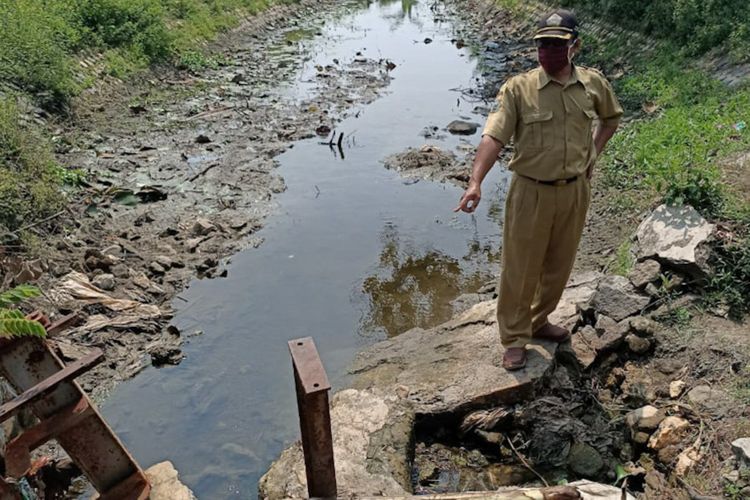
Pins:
x,y
645,273
455,365
670,431
461,127
165,483
372,436
675,388
676,236
617,298
741,449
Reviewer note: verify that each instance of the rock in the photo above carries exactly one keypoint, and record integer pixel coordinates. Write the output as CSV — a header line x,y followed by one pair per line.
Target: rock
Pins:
x,y
460,127
579,290
582,346
686,460
164,261
705,396
732,476
202,227
670,431
166,355
418,359
675,388
120,271
584,460
156,268
165,483
466,301
202,139
668,366
644,327
641,437
637,344
94,259
611,338
651,290
372,449
668,454
677,237
617,298
646,418
238,78
644,273
428,40
741,449
104,281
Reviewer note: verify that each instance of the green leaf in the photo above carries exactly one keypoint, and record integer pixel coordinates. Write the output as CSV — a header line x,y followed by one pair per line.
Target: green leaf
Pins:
x,y
620,472
18,294
10,328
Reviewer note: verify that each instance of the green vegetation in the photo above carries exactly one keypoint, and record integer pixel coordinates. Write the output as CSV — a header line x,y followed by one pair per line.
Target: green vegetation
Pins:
x,y
30,179
40,40
624,259
13,323
695,25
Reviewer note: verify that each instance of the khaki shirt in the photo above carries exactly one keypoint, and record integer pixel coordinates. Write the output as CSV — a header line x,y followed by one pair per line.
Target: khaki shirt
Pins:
x,y
552,124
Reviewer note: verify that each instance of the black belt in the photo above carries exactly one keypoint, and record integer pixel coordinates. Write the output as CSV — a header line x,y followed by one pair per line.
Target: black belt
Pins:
x,y
559,182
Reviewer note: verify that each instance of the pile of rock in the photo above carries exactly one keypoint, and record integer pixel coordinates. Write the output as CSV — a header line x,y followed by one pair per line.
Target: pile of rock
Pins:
x,y
738,480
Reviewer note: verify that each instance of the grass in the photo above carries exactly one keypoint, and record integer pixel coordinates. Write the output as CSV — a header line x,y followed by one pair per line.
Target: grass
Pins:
x,y
624,259
41,41
30,180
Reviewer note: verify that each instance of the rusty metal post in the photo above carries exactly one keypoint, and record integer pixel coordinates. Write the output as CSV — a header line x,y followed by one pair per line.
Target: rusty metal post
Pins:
x,y
311,383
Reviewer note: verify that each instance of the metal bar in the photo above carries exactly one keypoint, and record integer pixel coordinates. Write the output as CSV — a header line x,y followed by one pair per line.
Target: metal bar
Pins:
x,y
312,386
90,443
48,385
18,451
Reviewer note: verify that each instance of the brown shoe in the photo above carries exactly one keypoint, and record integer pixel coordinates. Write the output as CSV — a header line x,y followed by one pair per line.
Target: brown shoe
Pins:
x,y
514,358
551,332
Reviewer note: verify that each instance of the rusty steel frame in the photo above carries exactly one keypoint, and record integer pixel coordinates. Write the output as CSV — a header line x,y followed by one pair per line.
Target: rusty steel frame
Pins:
x,y
312,386
67,415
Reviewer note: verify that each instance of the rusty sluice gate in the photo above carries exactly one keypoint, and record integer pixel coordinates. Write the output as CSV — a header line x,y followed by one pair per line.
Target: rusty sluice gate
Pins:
x,y
47,387
312,386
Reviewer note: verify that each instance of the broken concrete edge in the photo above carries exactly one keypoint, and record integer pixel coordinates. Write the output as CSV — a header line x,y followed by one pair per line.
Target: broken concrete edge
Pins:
x,y
165,483
450,370
584,490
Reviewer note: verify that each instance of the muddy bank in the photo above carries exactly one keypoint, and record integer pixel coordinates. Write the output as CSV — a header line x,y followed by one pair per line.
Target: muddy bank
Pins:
x,y
180,176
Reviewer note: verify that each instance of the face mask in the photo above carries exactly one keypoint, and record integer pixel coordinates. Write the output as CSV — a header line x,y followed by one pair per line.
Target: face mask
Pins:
x,y
554,59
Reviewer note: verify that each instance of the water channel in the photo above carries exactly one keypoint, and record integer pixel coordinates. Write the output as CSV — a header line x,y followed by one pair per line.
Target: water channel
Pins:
x,y
354,254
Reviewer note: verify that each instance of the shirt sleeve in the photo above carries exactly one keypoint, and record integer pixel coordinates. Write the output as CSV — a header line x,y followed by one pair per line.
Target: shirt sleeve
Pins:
x,y
607,105
501,123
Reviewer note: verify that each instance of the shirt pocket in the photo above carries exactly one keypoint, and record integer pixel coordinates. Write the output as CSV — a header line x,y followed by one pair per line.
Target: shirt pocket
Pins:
x,y
537,131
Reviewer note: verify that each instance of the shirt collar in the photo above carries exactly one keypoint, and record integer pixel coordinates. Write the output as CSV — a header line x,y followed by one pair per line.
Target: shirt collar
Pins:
x,y
544,78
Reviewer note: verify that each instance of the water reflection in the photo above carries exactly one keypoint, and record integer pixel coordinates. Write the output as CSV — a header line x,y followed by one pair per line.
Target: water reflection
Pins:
x,y
414,287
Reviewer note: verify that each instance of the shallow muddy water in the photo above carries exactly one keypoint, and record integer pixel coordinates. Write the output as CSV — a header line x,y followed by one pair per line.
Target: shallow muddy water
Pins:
x,y
355,253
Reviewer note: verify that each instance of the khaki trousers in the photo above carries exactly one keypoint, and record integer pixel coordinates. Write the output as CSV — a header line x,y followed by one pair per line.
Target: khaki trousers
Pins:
x,y
543,226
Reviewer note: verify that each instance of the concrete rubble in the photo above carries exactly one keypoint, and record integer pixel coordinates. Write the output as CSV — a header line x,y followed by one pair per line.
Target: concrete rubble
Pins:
x,y
677,237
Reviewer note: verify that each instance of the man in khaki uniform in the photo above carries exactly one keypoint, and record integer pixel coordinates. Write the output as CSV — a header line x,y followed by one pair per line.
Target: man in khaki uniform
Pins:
x,y
560,117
